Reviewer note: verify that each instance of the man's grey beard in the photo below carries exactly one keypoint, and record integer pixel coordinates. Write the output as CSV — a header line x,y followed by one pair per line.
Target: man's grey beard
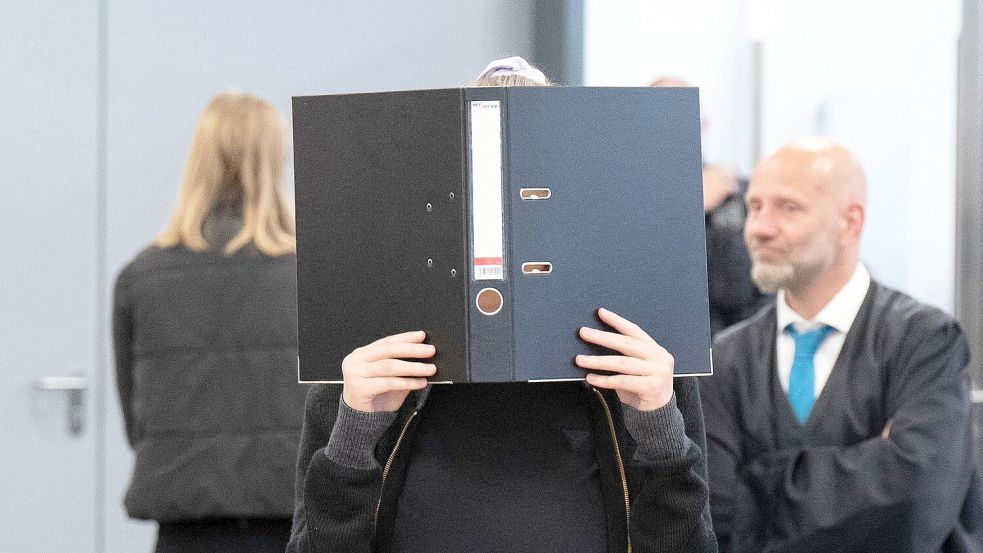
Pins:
x,y
771,277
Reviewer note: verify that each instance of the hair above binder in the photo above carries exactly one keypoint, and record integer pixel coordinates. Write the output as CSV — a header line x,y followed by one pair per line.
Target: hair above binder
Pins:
x,y
514,71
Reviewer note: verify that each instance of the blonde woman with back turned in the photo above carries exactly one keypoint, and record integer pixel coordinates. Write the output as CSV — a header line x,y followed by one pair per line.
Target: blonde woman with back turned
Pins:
x,y
204,329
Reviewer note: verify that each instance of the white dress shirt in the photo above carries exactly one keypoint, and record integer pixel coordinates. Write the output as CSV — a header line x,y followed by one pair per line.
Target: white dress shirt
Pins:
x,y
839,313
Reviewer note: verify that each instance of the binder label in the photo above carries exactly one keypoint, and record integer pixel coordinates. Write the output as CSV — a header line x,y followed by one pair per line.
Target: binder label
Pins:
x,y
487,236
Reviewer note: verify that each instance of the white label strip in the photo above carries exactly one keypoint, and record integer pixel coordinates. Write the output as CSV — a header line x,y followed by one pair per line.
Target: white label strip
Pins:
x,y
487,235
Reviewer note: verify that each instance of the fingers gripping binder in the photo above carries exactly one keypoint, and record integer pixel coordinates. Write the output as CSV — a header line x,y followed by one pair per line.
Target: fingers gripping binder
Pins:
x,y
498,220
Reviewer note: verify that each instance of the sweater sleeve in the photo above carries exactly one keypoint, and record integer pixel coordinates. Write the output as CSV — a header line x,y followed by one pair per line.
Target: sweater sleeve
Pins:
x,y
338,478
670,510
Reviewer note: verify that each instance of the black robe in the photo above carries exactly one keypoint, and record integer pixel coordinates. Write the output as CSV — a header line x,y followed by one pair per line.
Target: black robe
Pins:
x,y
833,484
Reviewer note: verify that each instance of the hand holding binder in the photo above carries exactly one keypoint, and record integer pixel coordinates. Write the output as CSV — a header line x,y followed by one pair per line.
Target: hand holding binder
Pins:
x,y
644,369
377,377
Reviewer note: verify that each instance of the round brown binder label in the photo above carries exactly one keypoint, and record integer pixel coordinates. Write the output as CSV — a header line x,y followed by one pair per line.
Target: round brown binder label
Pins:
x,y
489,301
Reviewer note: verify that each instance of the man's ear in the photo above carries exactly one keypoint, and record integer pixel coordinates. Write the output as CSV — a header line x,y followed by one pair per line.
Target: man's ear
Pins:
x,y
853,221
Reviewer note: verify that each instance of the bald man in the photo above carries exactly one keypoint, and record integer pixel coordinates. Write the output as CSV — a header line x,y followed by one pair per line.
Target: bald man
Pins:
x,y
838,417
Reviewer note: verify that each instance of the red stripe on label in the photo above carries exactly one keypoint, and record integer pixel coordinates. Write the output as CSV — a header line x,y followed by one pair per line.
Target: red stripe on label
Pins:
x,y
488,261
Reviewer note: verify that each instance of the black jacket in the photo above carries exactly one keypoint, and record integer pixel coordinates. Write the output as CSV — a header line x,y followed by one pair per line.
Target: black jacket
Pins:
x,y
834,484
206,364
340,508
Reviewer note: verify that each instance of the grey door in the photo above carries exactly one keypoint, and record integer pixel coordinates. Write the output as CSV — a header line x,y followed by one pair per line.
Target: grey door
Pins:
x,y
48,289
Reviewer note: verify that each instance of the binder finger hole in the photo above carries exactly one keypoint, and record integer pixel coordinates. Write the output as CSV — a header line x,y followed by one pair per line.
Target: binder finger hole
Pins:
x,y
489,301
539,268
535,193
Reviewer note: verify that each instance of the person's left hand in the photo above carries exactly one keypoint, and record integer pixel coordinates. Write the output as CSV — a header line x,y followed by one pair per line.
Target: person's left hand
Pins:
x,y
644,370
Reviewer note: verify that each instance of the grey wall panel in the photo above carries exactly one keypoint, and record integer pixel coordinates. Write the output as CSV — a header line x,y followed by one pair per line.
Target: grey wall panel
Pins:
x,y
48,160
559,42
166,60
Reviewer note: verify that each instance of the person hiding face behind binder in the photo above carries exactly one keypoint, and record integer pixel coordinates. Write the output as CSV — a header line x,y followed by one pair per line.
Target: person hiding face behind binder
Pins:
x,y
388,463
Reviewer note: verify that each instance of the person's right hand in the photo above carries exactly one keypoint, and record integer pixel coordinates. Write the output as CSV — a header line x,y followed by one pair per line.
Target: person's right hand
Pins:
x,y
378,379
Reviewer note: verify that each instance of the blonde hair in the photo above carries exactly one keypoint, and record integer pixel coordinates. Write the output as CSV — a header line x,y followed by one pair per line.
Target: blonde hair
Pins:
x,y
507,80
237,154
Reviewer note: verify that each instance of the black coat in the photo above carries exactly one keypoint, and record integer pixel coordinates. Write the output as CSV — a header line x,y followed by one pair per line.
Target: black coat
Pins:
x,y
206,364
835,484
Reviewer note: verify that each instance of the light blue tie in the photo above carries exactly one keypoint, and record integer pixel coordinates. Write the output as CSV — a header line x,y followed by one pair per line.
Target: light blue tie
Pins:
x,y
802,380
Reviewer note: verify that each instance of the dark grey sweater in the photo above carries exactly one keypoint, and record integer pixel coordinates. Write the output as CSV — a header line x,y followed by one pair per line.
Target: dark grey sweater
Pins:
x,y
344,504
206,365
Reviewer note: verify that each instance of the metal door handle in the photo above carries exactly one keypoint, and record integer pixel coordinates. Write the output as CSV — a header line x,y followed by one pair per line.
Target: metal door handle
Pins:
x,y
74,387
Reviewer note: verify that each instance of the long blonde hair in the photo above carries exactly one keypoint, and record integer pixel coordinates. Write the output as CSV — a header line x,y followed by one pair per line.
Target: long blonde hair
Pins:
x,y
238,152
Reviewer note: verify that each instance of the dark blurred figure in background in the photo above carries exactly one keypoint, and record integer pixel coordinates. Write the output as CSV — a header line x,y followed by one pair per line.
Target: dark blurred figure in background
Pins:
x,y
204,327
733,295
838,418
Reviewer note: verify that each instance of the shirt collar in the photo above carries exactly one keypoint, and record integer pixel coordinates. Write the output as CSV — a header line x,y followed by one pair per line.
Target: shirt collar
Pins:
x,y
839,313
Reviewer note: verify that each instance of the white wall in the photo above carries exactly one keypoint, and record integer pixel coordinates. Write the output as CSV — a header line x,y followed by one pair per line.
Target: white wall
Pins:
x,y
878,76
704,42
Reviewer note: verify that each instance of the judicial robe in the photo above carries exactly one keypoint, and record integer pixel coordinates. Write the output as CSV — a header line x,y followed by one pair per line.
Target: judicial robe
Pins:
x,y
833,483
